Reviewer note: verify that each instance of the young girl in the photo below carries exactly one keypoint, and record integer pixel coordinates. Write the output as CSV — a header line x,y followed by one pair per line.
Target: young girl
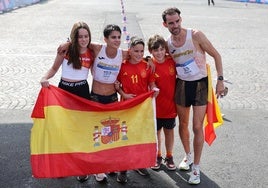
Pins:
x,y
165,76
135,78
106,67
75,64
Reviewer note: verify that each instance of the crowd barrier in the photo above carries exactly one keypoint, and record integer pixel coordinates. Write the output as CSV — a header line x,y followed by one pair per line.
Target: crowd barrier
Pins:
x,y
8,5
253,1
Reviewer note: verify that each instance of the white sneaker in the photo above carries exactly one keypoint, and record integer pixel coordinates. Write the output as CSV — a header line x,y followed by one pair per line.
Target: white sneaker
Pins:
x,y
185,163
194,175
100,177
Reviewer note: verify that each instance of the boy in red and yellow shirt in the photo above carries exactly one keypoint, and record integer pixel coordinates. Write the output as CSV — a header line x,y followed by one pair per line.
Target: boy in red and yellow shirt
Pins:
x,y
165,79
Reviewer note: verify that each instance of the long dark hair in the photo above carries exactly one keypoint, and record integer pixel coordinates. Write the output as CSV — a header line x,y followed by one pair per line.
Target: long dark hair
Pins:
x,y
74,50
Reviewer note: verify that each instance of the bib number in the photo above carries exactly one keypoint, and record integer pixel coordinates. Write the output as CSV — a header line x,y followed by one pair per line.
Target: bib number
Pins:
x,y
187,69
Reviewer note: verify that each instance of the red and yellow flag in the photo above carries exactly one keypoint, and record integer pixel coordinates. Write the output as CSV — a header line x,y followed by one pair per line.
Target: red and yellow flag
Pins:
x,y
72,136
213,117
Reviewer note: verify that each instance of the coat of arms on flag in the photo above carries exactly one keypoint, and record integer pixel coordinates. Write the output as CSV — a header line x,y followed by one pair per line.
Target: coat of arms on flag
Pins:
x,y
72,136
109,131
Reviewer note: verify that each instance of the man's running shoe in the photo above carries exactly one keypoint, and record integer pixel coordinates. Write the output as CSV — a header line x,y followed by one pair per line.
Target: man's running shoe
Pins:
x,y
122,177
157,163
194,175
143,171
170,163
185,163
100,177
82,179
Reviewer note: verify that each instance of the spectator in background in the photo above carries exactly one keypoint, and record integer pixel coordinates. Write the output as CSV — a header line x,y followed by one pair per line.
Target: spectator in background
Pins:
x,y
212,1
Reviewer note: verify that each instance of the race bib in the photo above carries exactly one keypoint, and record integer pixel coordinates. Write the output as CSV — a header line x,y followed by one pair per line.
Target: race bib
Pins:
x,y
106,73
106,76
187,69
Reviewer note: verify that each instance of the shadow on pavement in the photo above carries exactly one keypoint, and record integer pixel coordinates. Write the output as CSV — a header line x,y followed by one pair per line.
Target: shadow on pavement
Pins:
x,y
16,169
181,178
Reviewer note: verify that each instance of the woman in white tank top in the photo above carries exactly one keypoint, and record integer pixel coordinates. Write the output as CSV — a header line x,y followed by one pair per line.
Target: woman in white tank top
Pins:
x,y
75,65
108,60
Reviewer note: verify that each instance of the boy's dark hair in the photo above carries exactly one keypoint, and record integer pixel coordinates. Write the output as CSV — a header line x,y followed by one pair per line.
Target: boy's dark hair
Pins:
x,y
155,42
109,28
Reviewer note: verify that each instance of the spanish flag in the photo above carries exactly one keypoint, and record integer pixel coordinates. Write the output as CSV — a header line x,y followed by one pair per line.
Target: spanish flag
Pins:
x,y
72,136
213,117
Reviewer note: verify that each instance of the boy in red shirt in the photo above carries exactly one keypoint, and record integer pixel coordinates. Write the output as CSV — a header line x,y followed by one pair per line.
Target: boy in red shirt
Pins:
x,y
165,79
135,76
134,79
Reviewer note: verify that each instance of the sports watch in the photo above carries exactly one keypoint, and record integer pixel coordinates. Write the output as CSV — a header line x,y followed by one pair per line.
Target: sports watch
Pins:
x,y
220,78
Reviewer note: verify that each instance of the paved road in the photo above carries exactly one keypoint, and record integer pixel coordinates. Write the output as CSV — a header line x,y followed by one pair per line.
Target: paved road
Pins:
x,y
28,42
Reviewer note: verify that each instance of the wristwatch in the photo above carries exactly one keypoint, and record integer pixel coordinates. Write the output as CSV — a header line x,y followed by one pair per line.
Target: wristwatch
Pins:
x,y
220,78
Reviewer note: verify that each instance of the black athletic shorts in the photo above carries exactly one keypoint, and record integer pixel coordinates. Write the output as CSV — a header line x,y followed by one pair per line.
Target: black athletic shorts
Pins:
x,y
191,92
103,99
167,123
80,88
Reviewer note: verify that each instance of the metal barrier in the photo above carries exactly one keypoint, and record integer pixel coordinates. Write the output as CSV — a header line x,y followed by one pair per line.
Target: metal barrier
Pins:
x,y
8,5
253,1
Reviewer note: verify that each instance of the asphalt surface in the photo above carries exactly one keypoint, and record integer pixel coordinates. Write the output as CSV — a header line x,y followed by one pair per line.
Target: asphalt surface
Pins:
x,y
29,38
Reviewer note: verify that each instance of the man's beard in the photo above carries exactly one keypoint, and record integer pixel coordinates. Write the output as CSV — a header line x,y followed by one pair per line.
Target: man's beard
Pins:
x,y
176,31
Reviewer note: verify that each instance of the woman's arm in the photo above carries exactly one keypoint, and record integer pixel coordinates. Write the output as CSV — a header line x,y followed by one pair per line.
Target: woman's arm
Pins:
x,y
52,71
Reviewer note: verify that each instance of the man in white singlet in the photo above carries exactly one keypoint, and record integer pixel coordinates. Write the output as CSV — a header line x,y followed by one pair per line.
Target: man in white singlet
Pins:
x,y
188,48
